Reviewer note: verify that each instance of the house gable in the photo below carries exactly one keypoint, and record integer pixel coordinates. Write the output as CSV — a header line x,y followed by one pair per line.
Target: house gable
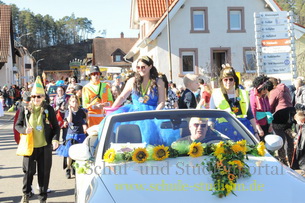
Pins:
x,y
105,49
6,40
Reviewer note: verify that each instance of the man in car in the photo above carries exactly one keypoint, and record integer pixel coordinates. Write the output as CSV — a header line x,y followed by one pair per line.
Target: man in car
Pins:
x,y
201,132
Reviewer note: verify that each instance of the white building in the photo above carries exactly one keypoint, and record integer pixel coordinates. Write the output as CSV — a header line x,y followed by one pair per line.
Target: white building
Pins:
x,y
203,35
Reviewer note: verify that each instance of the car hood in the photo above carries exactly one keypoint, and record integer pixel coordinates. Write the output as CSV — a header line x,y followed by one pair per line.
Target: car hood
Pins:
x,y
182,179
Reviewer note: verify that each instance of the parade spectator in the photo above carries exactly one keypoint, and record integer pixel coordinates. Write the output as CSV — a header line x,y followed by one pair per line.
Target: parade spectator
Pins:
x,y
260,106
248,85
71,86
231,98
188,99
60,106
298,161
116,91
5,95
60,82
51,83
204,102
26,98
78,92
299,92
40,119
173,87
1,106
283,114
171,101
117,82
75,119
96,96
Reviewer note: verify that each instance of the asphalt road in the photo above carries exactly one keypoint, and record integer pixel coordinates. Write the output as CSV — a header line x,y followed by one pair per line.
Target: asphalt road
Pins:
x,y
11,174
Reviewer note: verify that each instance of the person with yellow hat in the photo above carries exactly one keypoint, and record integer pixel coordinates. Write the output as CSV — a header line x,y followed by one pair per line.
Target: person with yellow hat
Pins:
x,y
38,118
231,98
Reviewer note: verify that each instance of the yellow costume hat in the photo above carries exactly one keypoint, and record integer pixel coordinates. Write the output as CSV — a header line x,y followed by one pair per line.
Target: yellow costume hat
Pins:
x,y
38,87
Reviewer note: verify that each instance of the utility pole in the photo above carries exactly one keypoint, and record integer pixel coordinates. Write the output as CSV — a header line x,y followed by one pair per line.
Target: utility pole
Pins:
x,y
169,44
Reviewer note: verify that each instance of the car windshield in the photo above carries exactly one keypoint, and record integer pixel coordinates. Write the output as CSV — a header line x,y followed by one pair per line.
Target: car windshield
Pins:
x,y
167,127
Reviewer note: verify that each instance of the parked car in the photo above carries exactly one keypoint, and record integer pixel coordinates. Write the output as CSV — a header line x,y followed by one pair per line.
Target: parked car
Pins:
x,y
108,172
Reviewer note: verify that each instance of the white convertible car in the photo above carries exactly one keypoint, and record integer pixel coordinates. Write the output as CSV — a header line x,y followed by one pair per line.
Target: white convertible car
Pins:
x,y
181,156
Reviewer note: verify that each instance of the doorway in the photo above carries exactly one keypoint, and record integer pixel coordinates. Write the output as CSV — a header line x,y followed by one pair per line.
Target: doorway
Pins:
x,y
219,56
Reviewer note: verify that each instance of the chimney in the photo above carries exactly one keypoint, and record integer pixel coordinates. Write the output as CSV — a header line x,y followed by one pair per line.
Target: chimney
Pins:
x,y
122,34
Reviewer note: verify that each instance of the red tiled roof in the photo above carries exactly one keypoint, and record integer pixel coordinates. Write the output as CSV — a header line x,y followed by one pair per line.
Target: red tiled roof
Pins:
x,y
5,30
152,8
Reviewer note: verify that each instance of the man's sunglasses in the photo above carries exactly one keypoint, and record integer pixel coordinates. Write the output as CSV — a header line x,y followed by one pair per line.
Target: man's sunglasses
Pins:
x,y
141,67
34,96
230,79
203,125
95,74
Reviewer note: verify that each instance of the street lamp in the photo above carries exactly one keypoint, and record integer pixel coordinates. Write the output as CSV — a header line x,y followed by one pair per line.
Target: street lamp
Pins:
x,y
19,38
36,67
35,52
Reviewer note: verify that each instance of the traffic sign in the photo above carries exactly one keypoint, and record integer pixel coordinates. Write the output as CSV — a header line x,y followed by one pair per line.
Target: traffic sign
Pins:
x,y
276,42
276,49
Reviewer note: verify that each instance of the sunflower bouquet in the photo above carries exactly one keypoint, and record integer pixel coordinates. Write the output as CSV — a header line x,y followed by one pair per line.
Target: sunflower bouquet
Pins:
x,y
228,164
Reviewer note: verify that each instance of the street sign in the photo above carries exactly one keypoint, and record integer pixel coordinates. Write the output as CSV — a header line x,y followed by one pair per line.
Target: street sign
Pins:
x,y
276,56
275,35
276,42
277,70
280,14
276,49
274,28
275,21
276,63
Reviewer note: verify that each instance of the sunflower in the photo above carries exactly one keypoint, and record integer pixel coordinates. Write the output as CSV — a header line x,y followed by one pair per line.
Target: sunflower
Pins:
x,y
261,149
237,148
219,150
231,176
109,156
160,153
140,155
196,149
236,162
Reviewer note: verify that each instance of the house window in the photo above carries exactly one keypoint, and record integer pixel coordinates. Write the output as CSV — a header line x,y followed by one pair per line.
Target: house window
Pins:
x,y
199,20
236,19
188,61
250,60
117,58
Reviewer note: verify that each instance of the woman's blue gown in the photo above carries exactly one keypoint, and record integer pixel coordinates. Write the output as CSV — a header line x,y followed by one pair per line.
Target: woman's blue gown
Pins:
x,y
148,128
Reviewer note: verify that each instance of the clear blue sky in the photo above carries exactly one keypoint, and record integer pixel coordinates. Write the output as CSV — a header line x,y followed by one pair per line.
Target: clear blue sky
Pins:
x,y
110,15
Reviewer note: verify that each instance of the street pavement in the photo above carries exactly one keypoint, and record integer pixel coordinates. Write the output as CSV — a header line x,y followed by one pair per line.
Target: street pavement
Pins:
x,y
11,173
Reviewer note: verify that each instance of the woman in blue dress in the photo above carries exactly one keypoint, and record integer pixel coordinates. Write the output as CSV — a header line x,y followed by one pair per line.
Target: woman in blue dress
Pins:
x,y
147,93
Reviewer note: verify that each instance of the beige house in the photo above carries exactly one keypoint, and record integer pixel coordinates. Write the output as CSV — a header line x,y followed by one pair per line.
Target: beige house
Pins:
x,y
202,35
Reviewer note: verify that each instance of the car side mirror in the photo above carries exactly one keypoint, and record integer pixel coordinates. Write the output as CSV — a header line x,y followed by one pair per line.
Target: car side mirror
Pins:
x,y
273,142
79,152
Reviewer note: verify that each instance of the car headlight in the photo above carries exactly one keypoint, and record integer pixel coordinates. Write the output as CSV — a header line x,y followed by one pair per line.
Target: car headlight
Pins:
x,y
97,192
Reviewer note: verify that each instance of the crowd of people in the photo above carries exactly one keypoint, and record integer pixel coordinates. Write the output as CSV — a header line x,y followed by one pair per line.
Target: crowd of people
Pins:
x,y
264,106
